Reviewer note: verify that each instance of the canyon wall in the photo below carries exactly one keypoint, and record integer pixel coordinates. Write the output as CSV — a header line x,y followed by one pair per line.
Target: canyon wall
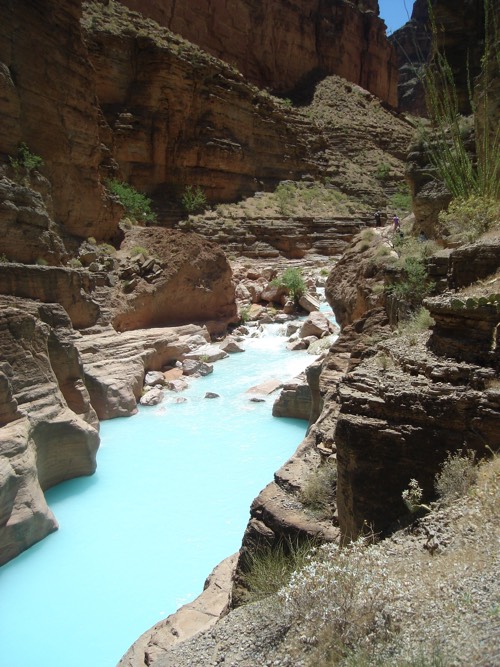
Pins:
x,y
178,116
284,46
48,102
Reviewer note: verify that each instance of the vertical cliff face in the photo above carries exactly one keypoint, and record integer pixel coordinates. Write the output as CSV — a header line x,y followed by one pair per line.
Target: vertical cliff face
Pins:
x,y
178,115
280,45
48,101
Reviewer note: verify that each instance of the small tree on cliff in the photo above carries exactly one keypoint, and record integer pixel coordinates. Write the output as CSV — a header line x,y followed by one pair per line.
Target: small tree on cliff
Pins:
x,y
137,206
292,280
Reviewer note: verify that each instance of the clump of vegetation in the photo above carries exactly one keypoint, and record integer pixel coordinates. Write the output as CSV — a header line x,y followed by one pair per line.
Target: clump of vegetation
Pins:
x,y
292,280
107,248
472,179
401,200
91,240
318,493
193,199
338,601
458,473
75,263
270,568
383,171
414,284
412,497
137,206
285,198
25,162
419,322
467,219
139,250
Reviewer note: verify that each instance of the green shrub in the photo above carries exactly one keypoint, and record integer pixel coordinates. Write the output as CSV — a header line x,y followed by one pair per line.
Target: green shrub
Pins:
x,y
383,171
285,197
401,200
458,473
137,206
25,162
139,250
74,263
419,322
292,281
193,199
91,240
467,219
270,568
318,493
414,284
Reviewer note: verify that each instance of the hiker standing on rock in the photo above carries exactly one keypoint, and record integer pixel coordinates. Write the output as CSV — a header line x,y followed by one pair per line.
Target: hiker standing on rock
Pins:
x,y
378,219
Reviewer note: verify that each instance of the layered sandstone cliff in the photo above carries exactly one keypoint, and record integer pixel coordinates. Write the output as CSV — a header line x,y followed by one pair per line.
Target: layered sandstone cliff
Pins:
x,y
286,46
178,116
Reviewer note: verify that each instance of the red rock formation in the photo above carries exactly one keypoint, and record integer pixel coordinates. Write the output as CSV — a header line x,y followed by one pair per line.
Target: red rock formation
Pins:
x,y
195,284
282,45
181,117
48,102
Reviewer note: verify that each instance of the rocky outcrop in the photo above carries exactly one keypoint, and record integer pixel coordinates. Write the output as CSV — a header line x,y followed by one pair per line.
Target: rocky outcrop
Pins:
x,y
48,430
286,46
412,43
28,233
193,285
294,400
399,423
48,102
115,363
292,237
191,618
68,287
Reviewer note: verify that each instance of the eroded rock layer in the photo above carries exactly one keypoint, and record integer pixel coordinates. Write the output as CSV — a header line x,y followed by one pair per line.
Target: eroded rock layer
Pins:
x,y
284,46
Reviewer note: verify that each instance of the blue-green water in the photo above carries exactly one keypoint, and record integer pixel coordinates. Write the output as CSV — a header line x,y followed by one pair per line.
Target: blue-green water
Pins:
x,y
170,500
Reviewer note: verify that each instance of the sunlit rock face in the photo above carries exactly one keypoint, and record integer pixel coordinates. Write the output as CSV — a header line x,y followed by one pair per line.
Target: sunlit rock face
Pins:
x,y
48,429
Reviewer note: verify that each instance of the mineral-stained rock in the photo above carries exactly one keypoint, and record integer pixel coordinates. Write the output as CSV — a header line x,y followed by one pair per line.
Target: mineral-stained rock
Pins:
x,y
466,333
398,425
155,377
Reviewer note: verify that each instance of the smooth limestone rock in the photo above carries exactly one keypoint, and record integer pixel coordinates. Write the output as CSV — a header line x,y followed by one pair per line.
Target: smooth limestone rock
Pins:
x,y
49,429
115,363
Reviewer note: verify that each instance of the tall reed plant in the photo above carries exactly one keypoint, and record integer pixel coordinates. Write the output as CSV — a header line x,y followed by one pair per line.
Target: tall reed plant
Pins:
x,y
463,173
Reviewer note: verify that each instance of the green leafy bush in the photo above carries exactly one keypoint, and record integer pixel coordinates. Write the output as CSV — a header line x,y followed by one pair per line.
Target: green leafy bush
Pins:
x,y
139,250
401,200
467,219
137,206
383,171
292,281
25,162
193,199
414,283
